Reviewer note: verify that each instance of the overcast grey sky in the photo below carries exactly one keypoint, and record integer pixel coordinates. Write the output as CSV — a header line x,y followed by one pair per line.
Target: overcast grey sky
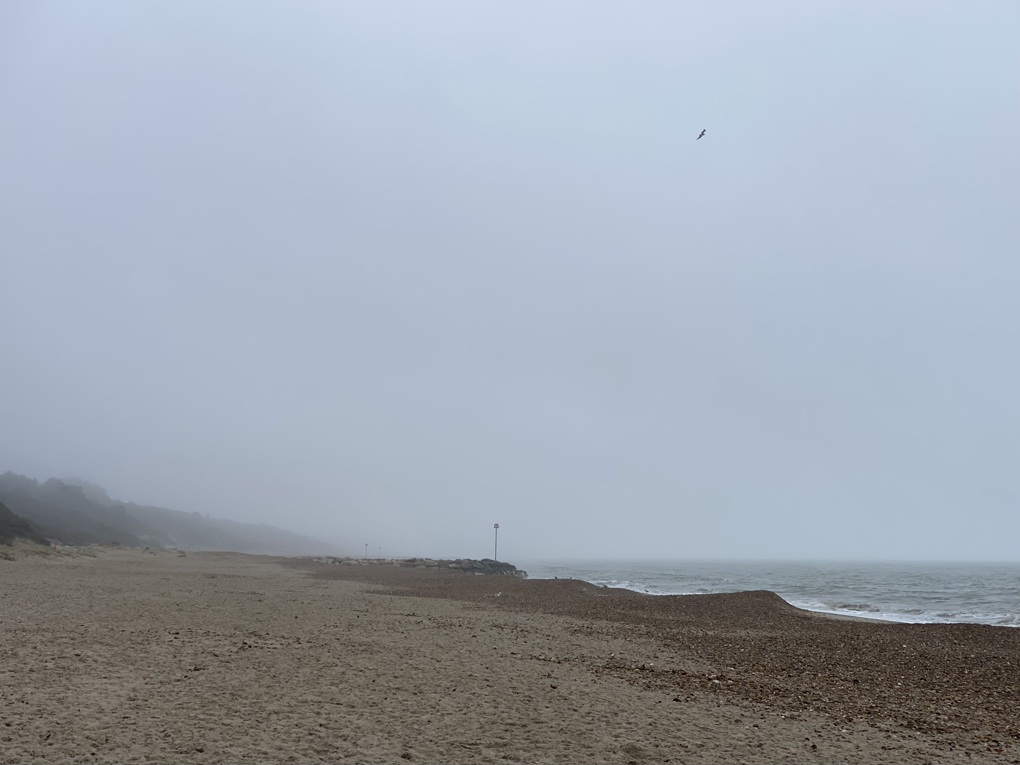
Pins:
x,y
392,272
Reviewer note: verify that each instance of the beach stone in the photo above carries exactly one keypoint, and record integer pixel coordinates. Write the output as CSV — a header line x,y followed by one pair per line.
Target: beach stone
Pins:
x,y
486,566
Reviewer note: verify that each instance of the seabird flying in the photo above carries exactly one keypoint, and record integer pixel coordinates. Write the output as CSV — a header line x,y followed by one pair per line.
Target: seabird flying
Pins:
x,y
699,137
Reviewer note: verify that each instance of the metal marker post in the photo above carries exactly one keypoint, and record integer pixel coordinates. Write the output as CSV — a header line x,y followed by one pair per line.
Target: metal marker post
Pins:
x,y
495,543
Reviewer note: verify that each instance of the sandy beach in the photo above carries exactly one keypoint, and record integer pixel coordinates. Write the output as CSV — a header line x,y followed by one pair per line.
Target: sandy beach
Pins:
x,y
217,657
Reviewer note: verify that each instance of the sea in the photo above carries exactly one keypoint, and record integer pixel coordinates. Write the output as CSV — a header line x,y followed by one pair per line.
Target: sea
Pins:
x,y
977,593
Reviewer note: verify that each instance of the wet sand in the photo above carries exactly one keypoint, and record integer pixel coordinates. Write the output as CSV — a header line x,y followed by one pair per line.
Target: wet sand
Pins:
x,y
217,657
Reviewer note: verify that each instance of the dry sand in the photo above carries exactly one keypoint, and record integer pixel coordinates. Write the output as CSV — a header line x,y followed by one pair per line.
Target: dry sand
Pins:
x,y
216,657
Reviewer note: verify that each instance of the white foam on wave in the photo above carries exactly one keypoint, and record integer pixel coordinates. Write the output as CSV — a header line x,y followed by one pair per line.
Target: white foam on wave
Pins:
x,y
914,616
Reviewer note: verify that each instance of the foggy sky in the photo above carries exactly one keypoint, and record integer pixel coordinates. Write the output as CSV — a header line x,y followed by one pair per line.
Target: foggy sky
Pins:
x,y
389,273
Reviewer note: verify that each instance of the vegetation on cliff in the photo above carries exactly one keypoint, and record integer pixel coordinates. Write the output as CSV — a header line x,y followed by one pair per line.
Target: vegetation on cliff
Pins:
x,y
76,512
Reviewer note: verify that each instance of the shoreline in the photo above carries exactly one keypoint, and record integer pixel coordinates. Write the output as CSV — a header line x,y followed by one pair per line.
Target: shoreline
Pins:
x,y
489,566
224,657
908,592
814,612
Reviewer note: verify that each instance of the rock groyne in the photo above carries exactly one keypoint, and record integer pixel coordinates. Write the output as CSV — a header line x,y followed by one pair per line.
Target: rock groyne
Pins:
x,y
464,565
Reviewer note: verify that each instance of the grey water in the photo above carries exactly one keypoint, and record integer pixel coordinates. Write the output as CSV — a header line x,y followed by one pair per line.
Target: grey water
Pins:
x,y
980,593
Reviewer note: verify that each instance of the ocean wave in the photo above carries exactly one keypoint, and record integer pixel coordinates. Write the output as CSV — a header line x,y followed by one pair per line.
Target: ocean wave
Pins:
x,y
862,607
